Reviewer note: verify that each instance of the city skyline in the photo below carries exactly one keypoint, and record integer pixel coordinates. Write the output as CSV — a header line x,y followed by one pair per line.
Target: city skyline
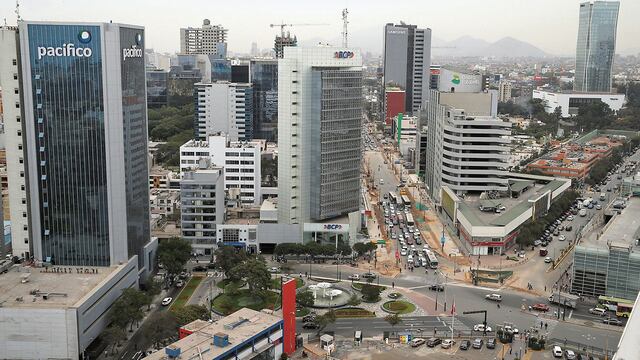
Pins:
x,y
555,31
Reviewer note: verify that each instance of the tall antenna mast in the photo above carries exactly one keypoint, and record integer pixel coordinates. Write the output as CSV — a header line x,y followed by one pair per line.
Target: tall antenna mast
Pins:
x,y
18,11
345,23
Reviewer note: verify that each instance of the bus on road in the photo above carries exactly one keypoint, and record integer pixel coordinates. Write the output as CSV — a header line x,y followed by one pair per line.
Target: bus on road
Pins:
x,y
410,221
393,197
624,310
432,260
612,303
405,200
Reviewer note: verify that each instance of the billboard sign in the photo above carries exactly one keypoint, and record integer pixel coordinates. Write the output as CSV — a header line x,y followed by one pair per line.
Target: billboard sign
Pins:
x,y
459,82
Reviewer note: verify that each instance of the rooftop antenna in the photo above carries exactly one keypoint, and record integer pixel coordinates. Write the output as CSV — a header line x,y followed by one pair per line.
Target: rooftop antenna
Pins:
x,y
18,11
345,23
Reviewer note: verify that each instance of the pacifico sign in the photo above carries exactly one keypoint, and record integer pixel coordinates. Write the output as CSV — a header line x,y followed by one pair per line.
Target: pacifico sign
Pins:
x,y
64,50
344,54
68,49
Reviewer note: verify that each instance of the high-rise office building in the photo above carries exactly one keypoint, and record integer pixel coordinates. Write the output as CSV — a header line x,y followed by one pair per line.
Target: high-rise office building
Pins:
x,y
596,46
407,59
85,134
202,205
467,146
157,88
264,77
319,125
224,107
504,91
14,144
207,40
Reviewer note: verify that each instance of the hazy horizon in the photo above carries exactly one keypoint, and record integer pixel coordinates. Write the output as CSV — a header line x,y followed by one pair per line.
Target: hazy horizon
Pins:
x,y
550,25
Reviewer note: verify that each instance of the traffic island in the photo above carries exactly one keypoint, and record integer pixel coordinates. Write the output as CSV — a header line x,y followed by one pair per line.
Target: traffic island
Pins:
x,y
399,307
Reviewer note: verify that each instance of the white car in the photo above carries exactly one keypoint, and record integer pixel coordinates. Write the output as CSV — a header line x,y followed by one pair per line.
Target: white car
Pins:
x,y
493,297
557,351
166,301
570,217
562,238
354,277
274,270
570,355
548,260
447,343
403,252
480,327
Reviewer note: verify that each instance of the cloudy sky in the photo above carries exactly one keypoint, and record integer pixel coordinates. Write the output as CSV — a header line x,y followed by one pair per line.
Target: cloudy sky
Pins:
x,y
548,24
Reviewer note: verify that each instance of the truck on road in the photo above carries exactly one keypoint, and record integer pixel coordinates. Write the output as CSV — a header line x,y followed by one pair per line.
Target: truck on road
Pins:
x,y
566,299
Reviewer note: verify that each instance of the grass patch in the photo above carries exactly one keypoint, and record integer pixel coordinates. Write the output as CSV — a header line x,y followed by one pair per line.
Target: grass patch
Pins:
x,y
275,283
227,304
353,313
399,307
223,283
186,292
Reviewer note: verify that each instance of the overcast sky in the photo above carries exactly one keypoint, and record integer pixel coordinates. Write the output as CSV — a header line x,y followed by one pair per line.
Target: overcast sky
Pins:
x,y
548,24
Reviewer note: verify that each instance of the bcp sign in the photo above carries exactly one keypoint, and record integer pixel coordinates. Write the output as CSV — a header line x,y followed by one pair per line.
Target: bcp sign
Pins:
x,y
344,54
332,226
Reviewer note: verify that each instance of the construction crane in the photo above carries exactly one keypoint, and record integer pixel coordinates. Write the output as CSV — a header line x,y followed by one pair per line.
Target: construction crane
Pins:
x,y
280,42
283,25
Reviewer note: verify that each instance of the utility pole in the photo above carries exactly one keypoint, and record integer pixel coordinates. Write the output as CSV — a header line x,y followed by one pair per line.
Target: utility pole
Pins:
x,y
345,23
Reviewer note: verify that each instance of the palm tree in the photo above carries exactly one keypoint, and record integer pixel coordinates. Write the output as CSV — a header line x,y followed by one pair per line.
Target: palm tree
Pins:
x,y
393,319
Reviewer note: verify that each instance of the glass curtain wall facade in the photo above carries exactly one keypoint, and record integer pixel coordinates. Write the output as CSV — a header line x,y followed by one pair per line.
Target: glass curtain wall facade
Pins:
x,y
612,272
134,118
264,77
157,95
596,46
335,181
68,110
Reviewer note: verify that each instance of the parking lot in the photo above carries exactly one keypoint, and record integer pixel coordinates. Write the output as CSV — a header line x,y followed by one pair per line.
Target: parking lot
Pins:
x,y
405,351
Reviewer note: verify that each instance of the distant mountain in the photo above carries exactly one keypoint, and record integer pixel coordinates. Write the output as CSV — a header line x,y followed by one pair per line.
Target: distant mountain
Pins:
x,y
371,39
505,47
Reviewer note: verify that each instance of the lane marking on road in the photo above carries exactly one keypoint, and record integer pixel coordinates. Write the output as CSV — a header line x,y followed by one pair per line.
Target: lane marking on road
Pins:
x,y
570,313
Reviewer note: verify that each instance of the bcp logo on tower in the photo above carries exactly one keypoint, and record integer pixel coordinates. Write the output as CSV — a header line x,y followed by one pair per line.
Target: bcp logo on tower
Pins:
x,y
68,49
332,226
344,54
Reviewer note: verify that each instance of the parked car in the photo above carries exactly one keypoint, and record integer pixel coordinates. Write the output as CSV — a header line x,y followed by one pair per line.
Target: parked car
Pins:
x,y
199,268
465,344
434,341
557,351
491,343
354,277
570,355
562,238
598,311
477,343
417,342
166,301
540,307
548,260
309,318
180,284
493,297
274,270
569,228
447,343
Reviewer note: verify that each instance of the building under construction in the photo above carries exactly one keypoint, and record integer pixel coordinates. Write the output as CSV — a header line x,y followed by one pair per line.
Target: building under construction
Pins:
x,y
281,41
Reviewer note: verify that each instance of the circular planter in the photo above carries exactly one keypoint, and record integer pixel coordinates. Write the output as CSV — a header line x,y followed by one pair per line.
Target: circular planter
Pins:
x,y
399,307
394,295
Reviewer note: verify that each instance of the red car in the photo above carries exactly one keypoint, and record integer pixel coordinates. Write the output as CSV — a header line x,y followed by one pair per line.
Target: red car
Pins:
x,y
540,307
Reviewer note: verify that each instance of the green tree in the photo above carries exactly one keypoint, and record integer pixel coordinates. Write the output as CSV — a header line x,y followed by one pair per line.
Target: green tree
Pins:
x,y
371,292
305,298
189,313
227,258
113,335
160,326
393,319
254,271
173,254
127,309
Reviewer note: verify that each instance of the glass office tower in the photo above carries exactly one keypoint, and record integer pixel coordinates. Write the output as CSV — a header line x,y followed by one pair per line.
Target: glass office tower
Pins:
x,y
264,77
86,141
596,46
